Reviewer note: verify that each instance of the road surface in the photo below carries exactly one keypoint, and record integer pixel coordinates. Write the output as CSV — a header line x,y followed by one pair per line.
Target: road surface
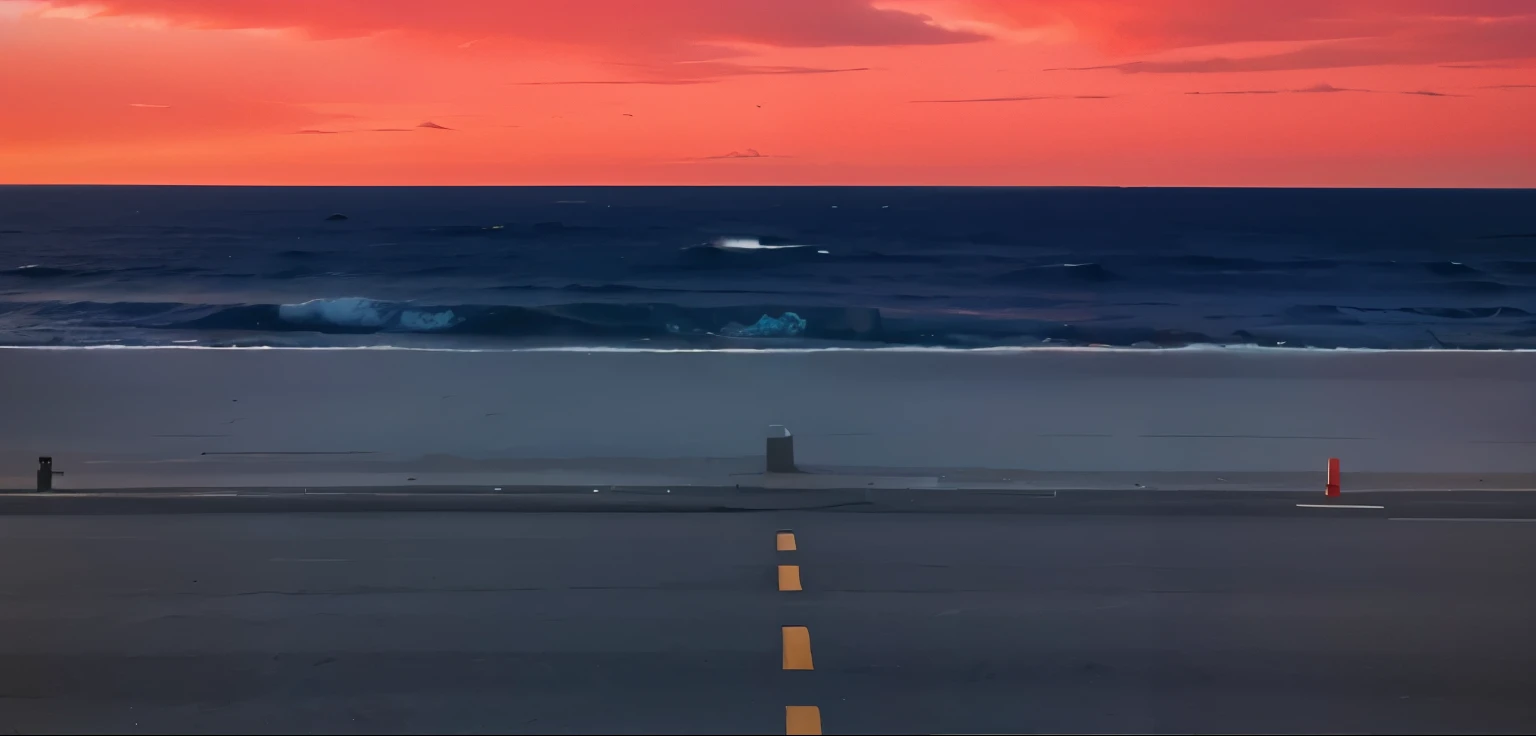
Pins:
x,y
1046,613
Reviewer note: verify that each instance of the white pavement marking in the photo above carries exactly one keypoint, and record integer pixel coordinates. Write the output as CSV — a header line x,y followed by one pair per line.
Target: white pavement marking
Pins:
x,y
1334,506
1486,521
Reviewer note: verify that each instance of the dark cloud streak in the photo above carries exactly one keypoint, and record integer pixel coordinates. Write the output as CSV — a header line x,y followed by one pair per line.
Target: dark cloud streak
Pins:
x,y
748,154
665,82
1323,88
1021,98
700,73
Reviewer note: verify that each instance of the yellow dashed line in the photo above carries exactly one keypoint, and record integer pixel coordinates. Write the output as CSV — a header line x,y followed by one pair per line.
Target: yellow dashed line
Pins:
x,y
789,577
802,719
797,648
798,719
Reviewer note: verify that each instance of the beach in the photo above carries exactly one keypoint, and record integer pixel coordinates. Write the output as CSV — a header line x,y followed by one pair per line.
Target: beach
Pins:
x,y
139,418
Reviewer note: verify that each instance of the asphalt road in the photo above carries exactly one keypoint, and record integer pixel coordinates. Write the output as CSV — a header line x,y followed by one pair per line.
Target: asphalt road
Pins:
x,y
915,620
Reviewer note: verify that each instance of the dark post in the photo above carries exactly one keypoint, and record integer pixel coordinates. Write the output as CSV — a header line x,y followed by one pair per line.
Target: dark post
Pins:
x,y
781,450
45,474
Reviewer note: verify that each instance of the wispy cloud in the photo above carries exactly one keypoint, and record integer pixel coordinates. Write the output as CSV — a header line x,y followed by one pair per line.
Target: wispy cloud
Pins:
x,y
320,131
1323,88
1241,92
1326,88
1319,34
1510,86
617,29
708,72
148,105
748,154
756,70
616,82
1099,67
1019,98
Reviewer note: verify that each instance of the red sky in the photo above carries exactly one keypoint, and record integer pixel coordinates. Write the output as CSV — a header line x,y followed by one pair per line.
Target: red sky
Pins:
x,y
948,92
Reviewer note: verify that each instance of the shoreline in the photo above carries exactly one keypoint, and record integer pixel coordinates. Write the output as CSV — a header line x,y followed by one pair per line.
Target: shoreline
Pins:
x,y
1195,348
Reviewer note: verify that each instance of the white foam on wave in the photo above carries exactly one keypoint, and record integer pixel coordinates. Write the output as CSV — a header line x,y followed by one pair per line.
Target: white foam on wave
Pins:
x,y
416,320
356,311
349,311
1258,349
752,244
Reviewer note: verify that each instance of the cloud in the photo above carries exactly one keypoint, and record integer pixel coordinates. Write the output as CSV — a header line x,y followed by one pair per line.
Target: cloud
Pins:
x,y
1241,92
317,131
660,28
1510,86
430,125
1100,67
1320,88
748,154
617,82
700,73
722,69
148,105
1020,98
1326,88
1330,33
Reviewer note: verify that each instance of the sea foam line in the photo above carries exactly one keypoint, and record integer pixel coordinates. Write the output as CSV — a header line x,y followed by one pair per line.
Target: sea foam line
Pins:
x,y
1009,349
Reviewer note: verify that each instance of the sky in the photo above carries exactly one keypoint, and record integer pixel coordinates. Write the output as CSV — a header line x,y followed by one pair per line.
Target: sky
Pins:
x,y
1329,93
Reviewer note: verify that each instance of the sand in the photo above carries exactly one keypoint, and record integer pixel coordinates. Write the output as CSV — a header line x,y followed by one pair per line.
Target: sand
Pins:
x,y
117,418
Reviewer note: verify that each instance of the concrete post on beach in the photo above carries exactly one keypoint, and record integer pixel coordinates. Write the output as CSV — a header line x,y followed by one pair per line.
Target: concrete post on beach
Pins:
x,y
781,450
45,474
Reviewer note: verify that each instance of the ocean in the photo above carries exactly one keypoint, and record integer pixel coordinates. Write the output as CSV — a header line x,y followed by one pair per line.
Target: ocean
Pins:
x,y
763,268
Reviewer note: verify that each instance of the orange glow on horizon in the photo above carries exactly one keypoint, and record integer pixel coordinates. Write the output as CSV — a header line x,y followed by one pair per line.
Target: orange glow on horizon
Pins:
x,y
943,92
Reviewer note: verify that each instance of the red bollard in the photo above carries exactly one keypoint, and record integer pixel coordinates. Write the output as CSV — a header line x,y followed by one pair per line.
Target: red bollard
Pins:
x,y
1333,478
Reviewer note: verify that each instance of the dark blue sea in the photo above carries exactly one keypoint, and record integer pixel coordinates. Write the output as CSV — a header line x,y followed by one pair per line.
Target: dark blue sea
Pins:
x,y
795,267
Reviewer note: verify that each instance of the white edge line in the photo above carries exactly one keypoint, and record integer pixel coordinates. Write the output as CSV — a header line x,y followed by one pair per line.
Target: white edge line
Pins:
x,y
1334,506
1490,521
